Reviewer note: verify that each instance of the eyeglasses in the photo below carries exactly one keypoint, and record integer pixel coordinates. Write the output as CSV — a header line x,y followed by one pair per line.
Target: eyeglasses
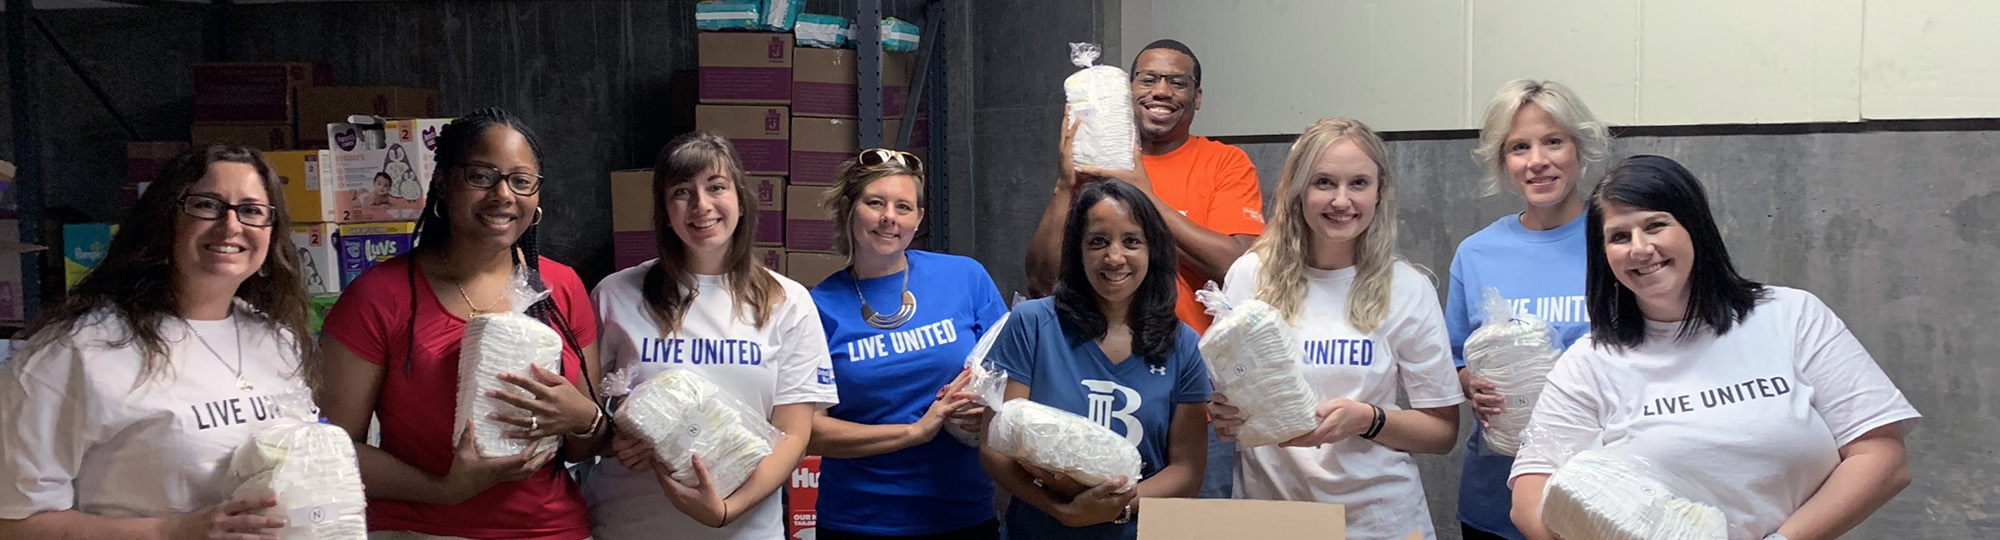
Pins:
x,y
485,177
877,156
211,208
1148,79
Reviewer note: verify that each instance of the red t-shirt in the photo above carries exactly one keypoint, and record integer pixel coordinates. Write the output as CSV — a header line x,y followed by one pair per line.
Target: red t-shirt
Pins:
x,y
416,407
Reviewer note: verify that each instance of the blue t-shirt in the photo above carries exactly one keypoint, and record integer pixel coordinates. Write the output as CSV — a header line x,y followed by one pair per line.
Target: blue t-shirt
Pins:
x,y
1541,273
1131,397
891,377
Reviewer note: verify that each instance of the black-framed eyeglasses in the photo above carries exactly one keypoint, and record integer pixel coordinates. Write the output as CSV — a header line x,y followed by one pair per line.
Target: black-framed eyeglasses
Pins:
x,y
485,177
877,156
211,208
1148,79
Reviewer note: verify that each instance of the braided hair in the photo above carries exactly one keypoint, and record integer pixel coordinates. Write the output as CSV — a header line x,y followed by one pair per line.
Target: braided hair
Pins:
x,y
434,228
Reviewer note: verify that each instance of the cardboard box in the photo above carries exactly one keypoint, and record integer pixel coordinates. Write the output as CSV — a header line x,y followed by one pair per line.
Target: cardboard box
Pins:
x,y
821,145
84,247
745,67
824,82
807,226
632,218
266,137
381,174
253,92
762,135
772,258
1208,519
770,212
364,245
802,500
320,106
308,196
143,161
809,268
319,256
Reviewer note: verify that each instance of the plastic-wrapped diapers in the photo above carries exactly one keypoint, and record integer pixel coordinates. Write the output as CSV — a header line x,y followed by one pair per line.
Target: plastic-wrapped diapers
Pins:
x,y
899,35
503,343
683,414
823,31
312,471
1607,495
987,384
1063,443
727,15
1253,358
1100,100
1515,353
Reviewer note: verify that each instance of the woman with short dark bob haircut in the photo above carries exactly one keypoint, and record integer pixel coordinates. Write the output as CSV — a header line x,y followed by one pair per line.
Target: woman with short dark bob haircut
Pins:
x,y
1758,393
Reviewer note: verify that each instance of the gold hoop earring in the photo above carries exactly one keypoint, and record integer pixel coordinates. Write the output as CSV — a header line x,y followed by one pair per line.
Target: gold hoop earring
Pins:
x,y
538,217
437,209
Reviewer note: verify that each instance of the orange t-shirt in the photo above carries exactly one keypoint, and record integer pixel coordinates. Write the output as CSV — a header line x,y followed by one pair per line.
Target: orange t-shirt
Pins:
x,y
1215,185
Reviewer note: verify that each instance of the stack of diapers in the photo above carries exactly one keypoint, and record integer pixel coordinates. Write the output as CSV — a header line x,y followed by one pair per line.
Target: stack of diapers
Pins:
x,y
822,31
727,15
987,384
498,343
312,471
1515,352
1607,495
1253,358
1063,443
899,35
683,414
1100,100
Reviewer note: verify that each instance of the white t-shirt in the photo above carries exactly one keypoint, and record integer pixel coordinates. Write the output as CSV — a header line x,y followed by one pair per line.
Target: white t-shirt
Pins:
x,y
76,434
784,362
1757,415
1409,350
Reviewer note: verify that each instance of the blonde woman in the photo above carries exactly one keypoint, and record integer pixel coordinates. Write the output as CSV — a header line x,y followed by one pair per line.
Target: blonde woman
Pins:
x,y
1370,325
1542,143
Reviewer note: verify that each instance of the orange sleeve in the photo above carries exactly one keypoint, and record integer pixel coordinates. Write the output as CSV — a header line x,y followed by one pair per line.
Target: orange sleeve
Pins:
x,y
1238,204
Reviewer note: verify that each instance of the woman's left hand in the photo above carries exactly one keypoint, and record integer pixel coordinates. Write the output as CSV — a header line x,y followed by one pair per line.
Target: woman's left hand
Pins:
x,y
699,501
1339,418
556,408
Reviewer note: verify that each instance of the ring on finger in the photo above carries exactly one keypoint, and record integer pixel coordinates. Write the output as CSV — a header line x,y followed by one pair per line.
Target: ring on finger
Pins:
x,y
534,423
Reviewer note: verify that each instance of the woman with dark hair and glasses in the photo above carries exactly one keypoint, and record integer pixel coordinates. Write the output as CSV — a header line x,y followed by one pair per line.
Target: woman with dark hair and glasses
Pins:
x,y
899,323
1107,346
706,305
118,418
392,351
1759,392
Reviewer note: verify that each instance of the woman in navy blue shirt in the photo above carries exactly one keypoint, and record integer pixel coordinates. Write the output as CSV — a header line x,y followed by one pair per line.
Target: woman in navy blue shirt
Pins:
x,y
1107,347
899,324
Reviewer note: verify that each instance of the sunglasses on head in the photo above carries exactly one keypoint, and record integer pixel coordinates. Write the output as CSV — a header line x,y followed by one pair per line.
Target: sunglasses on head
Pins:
x,y
877,156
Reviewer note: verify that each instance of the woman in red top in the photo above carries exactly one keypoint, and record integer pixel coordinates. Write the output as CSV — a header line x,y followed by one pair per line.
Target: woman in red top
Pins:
x,y
391,349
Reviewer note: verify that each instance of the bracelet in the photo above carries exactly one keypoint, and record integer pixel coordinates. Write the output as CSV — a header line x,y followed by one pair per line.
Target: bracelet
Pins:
x,y
1125,516
1375,428
594,424
725,515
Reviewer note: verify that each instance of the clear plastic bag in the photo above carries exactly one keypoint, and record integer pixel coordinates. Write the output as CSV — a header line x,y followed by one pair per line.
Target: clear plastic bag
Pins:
x,y
1064,443
1253,358
498,343
682,414
987,383
312,471
1605,494
1515,353
1100,100
822,31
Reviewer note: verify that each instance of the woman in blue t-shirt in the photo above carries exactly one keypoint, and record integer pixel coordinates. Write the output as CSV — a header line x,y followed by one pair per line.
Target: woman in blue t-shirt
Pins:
x,y
1108,347
1540,140
899,324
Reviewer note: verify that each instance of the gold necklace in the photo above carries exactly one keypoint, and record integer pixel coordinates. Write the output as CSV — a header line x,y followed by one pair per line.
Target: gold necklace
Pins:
x,y
460,285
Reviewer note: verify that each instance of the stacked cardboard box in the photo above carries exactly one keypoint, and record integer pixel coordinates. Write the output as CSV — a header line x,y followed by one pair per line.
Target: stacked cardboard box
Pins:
x,y
325,105
253,104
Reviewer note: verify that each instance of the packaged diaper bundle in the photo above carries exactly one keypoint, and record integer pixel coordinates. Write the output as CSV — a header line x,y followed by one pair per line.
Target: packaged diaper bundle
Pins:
x,y
312,471
822,31
727,15
1608,495
498,343
987,383
683,414
1063,443
899,35
1100,100
1253,358
1515,353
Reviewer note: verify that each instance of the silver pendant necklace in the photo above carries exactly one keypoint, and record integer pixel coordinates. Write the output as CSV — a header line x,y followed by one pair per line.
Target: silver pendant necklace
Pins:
x,y
241,383
889,322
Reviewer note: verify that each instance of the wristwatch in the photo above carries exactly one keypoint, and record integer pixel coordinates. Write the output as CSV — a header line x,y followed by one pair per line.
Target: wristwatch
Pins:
x,y
1125,516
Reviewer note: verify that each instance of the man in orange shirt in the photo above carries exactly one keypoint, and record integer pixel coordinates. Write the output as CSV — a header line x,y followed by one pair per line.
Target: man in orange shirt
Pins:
x,y
1206,190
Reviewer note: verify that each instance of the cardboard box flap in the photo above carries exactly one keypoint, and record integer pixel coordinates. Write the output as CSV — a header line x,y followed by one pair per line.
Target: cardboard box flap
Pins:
x,y
1208,519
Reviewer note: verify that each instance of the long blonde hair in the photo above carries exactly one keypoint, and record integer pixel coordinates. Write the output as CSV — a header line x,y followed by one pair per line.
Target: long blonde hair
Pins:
x,y
1283,249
